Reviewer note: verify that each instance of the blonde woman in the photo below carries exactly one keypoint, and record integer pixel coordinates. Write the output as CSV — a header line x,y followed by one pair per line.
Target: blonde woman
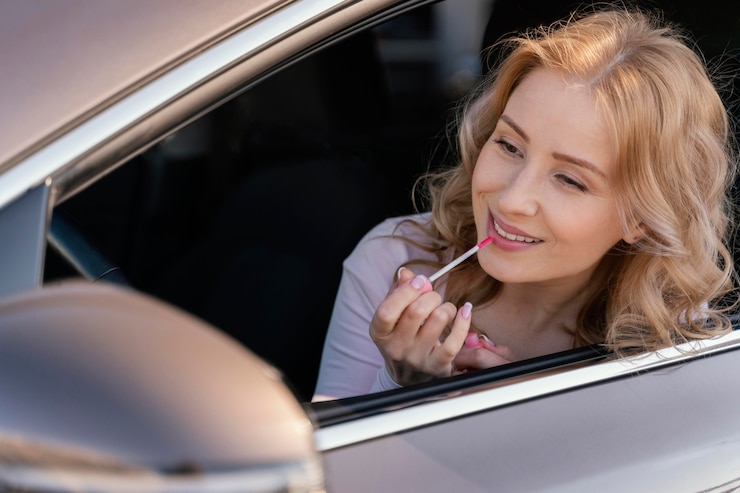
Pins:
x,y
597,158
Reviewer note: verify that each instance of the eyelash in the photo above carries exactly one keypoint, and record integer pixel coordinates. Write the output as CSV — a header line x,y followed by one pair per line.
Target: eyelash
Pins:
x,y
570,182
511,149
506,146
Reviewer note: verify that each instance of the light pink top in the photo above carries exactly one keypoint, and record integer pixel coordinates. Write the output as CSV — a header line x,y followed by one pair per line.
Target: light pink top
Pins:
x,y
351,363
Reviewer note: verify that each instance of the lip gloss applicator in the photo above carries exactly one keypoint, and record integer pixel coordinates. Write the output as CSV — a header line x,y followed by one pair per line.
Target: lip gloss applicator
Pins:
x,y
444,270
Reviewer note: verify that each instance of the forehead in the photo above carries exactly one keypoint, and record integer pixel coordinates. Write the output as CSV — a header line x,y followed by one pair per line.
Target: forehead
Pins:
x,y
562,115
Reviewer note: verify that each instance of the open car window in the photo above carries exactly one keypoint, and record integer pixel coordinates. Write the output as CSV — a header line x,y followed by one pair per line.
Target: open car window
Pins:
x,y
244,216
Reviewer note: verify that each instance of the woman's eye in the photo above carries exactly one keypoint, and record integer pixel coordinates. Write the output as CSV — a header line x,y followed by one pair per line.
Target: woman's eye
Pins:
x,y
507,147
570,182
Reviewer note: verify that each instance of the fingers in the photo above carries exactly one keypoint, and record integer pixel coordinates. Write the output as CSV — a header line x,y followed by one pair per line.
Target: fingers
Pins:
x,y
481,355
474,340
438,319
443,349
408,328
459,330
403,275
406,304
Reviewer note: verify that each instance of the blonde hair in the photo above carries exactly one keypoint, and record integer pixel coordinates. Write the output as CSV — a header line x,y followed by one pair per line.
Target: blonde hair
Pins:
x,y
673,176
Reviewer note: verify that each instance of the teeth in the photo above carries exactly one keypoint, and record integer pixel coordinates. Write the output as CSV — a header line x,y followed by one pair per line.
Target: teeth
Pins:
x,y
512,237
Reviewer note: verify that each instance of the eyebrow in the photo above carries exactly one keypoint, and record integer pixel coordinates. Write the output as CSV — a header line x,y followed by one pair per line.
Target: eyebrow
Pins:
x,y
557,155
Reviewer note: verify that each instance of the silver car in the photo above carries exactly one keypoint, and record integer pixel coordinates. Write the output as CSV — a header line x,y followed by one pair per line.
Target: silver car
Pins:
x,y
180,181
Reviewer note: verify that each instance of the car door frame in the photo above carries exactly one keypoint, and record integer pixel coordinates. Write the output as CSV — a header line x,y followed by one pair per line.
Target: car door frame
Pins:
x,y
663,421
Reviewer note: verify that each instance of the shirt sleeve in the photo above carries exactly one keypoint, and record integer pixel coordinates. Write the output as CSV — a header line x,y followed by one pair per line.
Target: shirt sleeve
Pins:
x,y
351,363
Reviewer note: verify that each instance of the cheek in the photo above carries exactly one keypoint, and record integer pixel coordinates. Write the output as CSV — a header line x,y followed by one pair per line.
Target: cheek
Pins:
x,y
476,177
592,228
485,183
487,175
480,195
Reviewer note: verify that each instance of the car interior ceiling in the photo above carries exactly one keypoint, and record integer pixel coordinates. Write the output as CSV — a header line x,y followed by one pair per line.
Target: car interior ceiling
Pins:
x,y
244,217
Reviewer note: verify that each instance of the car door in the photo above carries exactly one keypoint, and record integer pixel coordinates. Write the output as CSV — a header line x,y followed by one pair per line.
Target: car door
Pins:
x,y
664,422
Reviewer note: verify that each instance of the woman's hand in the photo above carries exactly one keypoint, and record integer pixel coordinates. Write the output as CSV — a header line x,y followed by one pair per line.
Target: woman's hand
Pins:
x,y
407,328
478,353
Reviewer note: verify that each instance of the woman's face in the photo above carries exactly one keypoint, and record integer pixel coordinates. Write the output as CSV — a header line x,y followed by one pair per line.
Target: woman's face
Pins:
x,y
542,188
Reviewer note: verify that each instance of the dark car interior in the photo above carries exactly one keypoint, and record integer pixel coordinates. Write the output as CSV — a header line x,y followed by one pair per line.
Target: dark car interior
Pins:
x,y
243,218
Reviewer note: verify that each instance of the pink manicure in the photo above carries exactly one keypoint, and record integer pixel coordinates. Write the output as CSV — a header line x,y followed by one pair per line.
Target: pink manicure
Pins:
x,y
418,282
472,341
466,309
486,341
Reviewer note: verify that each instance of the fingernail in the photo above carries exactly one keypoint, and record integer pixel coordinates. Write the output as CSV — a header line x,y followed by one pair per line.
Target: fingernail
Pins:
x,y
466,309
398,273
418,282
486,340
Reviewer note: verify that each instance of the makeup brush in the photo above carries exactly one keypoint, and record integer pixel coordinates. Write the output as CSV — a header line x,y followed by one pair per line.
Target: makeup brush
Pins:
x,y
444,270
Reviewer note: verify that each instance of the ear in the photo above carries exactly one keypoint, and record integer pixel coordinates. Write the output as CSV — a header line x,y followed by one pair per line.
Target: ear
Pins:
x,y
635,233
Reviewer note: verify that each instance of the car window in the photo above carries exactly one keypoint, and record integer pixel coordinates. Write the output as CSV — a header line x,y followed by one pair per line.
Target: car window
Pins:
x,y
244,217
266,195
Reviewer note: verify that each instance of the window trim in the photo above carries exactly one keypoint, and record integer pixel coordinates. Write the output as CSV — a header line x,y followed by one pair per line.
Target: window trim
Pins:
x,y
492,392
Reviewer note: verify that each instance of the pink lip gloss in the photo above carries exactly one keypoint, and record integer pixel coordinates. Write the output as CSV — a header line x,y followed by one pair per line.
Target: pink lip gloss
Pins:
x,y
444,270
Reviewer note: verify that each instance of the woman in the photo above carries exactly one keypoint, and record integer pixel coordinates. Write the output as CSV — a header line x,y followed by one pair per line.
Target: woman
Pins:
x,y
597,157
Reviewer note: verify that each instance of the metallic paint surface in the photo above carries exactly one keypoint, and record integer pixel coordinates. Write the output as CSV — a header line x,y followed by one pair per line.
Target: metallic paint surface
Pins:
x,y
486,400
660,425
103,381
62,60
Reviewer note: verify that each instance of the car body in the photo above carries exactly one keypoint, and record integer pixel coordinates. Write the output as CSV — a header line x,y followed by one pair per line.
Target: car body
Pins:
x,y
222,159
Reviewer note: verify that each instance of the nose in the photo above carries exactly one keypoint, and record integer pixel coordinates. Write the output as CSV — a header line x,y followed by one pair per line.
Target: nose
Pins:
x,y
520,195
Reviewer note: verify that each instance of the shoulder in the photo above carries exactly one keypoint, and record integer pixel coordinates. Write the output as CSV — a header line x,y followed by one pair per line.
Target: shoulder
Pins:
x,y
393,242
411,227
387,246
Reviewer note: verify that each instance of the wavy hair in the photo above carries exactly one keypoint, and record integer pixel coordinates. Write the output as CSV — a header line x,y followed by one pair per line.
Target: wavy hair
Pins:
x,y
673,177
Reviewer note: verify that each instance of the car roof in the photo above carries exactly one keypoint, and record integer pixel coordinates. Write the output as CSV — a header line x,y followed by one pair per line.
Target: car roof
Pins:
x,y
65,59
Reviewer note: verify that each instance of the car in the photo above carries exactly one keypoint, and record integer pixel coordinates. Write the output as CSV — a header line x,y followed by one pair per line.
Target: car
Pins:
x,y
179,184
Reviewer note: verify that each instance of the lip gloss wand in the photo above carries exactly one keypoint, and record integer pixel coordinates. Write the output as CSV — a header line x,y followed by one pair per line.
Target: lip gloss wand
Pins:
x,y
444,270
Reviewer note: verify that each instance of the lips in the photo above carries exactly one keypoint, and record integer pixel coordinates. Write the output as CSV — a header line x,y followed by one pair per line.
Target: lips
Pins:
x,y
512,236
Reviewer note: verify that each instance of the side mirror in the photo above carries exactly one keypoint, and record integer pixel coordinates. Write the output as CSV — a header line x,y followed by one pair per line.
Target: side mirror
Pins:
x,y
105,389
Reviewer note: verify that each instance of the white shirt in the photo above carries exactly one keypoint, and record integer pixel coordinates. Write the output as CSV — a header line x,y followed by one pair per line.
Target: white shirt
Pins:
x,y
351,363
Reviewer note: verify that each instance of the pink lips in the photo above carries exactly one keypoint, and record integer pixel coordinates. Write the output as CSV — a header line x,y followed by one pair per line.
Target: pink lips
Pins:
x,y
510,229
505,243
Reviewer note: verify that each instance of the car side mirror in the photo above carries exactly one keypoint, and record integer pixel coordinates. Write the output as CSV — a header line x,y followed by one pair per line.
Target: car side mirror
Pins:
x,y
103,388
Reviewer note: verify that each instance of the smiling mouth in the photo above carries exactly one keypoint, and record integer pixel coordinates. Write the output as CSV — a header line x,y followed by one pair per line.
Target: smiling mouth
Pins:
x,y
511,237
